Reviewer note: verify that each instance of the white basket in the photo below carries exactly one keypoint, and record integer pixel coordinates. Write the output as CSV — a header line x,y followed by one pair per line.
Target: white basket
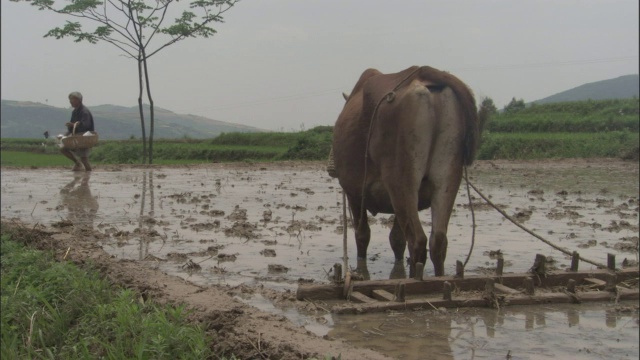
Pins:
x,y
77,141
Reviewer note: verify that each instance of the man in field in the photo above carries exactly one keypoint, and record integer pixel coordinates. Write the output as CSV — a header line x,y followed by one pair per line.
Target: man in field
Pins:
x,y
82,116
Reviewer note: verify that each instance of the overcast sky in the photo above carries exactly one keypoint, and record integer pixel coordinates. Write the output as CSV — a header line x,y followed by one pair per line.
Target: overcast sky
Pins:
x,y
283,64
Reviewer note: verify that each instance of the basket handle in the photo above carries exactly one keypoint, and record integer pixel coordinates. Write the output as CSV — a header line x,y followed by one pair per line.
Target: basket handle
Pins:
x,y
73,132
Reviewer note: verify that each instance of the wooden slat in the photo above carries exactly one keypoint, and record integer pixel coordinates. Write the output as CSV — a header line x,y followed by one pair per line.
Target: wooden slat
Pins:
x,y
505,289
521,299
595,283
628,294
359,297
408,305
434,285
382,295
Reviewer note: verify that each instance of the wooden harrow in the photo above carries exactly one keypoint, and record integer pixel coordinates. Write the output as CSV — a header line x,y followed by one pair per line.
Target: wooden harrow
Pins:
x,y
538,286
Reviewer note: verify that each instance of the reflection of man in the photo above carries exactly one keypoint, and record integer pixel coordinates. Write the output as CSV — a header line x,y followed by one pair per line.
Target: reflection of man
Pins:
x,y
76,197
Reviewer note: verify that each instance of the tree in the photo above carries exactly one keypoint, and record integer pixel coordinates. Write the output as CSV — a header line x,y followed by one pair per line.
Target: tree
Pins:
x,y
487,110
487,105
514,106
132,26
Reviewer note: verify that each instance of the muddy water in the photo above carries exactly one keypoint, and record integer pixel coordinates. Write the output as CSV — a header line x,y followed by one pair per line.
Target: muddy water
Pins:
x,y
260,225
561,331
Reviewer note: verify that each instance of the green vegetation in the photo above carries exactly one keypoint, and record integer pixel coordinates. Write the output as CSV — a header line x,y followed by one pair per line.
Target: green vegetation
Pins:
x,y
32,159
577,116
313,144
129,152
55,310
578,129
527,146
604,128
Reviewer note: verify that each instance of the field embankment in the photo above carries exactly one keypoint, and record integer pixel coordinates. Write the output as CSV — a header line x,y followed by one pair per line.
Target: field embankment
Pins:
x,y
584,129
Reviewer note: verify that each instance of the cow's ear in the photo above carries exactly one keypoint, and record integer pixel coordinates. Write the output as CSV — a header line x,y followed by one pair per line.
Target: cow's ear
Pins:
x,y
345,96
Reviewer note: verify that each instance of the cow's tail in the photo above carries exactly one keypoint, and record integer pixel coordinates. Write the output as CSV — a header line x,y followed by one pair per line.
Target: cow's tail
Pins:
x,y
468,107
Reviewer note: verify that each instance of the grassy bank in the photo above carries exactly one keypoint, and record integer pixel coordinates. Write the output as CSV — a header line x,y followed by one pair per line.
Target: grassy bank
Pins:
x,y
606,128
566,117
514,146
55,310
528,146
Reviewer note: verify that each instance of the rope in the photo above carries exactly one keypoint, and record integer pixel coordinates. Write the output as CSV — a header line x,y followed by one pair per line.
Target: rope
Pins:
x,y
567,252
473,219
344,233
390,96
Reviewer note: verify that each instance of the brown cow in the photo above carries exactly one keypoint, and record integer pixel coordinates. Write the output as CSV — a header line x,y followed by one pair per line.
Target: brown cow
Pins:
x,y
399,145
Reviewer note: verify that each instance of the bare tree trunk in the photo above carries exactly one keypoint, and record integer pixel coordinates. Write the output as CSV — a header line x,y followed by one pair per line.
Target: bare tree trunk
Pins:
x,y
141,109
151,116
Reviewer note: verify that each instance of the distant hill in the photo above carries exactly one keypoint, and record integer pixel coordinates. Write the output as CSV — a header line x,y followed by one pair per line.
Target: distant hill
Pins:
x,y
24,119
623,87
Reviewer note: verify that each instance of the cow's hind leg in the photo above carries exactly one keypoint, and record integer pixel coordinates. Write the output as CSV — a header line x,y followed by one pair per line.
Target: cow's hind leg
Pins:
x,y
363,269
438,249
398,271
397,241
441,207
417,241
408,223
361,227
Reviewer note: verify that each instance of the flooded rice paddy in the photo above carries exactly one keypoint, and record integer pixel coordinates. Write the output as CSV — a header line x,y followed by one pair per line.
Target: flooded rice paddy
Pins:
x,y
277,225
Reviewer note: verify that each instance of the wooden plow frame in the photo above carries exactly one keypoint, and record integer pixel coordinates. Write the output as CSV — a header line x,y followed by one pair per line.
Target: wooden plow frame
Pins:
x,y
536,287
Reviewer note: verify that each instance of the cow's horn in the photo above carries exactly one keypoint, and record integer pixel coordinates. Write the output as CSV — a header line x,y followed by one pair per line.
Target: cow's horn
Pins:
x,y
345,96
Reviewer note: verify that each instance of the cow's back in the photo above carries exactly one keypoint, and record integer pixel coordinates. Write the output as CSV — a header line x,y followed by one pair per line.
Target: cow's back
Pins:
x,y
352,129
350,137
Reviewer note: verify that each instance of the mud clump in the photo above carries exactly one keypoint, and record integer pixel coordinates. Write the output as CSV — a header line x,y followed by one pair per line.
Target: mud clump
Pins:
x,y
227,257
243,229
268,253
205,226
238,214
62,224
276,268
523,215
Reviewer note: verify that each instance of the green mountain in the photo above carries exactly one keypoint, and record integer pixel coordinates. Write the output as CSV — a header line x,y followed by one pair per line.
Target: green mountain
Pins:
x,y
24,119
623,87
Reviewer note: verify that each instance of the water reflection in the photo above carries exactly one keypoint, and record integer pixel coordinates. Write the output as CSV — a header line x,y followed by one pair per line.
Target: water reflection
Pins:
x,y
146,221
490,320
459,333
573,317
76,197
147,184
403,336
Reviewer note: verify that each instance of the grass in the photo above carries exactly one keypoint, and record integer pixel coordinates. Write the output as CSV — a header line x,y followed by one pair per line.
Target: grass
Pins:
x,y
581,129
575,116
527,146
495,145
23,158
55,310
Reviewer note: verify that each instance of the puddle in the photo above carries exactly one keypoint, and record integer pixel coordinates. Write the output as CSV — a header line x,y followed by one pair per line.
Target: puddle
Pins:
x,y
320,324
586,331
275,226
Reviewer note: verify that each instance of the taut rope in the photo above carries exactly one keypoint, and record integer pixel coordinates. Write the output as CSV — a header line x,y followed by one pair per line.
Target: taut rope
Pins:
x,y
473,219
567,252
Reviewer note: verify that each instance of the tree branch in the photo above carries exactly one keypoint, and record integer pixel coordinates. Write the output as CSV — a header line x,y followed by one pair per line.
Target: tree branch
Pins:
x,y
201,26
